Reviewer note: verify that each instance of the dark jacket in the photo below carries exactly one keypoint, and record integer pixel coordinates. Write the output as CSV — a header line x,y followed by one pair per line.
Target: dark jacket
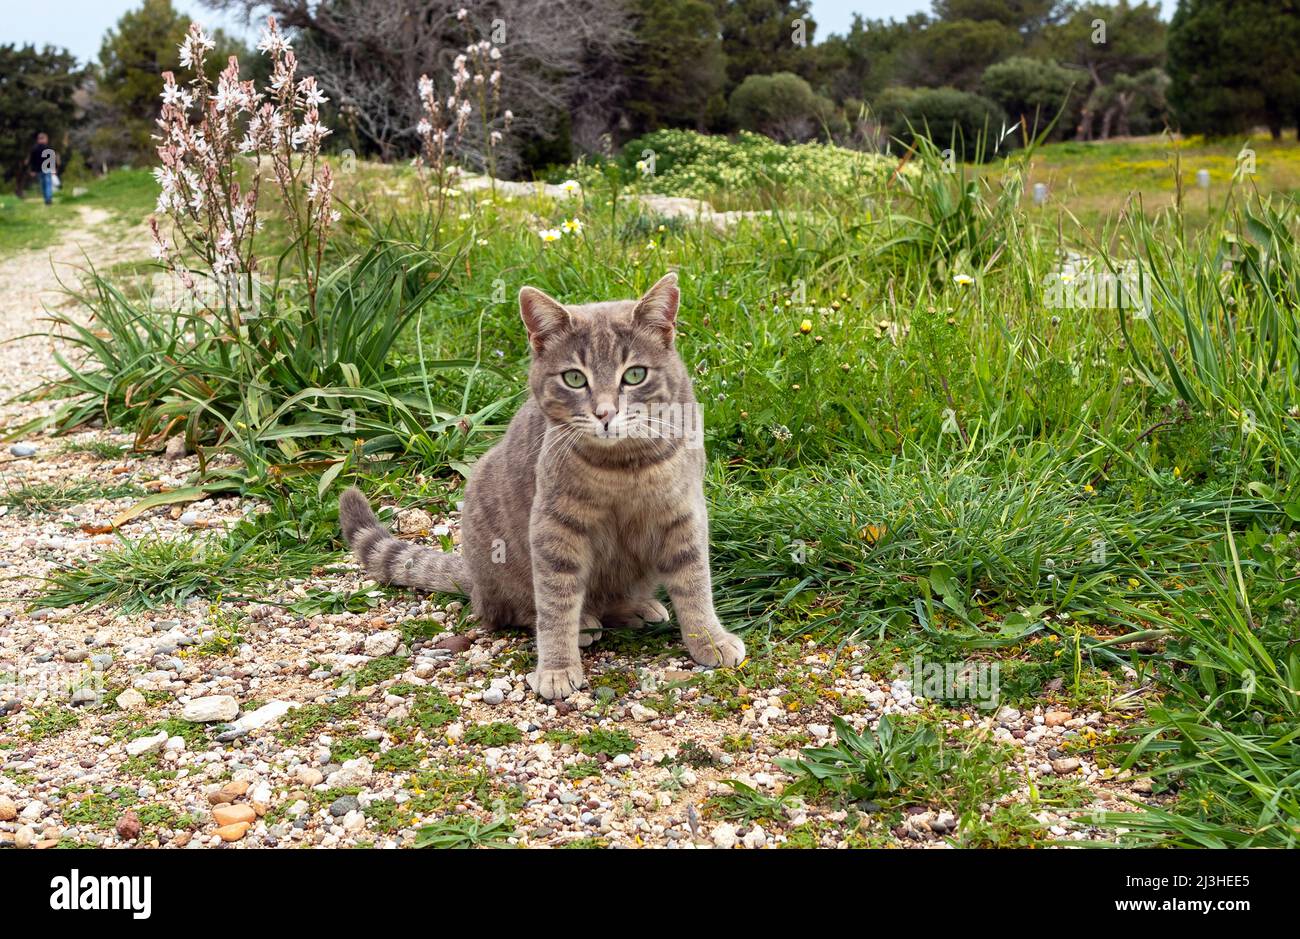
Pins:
x,y
36,159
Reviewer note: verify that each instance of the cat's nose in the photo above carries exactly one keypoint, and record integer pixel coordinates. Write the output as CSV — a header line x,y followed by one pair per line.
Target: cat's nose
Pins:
x,y
605,412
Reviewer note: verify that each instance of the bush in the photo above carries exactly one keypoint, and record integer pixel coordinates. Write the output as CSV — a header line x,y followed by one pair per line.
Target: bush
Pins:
x,y
969,123
1030,89
782,106
699,165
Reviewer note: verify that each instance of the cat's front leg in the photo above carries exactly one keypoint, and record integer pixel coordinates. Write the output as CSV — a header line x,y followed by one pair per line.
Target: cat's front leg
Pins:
x,y
560,565
684,568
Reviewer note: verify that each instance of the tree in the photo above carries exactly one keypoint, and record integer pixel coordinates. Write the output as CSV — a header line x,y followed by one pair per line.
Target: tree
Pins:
x,y
765,36
1236,63
1104,41
36,94
956,53
560,61
126,83
861,63
783,106
968,123
1027,17
676,69
1029,90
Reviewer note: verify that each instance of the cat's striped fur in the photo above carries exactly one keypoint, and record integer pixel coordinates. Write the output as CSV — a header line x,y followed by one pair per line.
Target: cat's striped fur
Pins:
x,y
588,505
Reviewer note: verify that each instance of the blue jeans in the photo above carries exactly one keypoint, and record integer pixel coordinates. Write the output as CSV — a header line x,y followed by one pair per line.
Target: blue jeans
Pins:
x,y
47,187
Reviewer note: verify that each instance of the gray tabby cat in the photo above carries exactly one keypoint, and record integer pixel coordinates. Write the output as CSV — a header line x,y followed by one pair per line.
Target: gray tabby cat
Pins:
x,y
588,504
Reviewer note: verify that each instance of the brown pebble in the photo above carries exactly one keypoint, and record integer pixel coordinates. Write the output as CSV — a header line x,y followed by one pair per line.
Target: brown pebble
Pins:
x,y
1056,718
1065,765
453,643
227,815
233,832
227,793
128,826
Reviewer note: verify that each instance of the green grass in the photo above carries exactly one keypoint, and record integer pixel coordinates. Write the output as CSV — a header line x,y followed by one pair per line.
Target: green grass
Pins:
x,y
47,498
27,224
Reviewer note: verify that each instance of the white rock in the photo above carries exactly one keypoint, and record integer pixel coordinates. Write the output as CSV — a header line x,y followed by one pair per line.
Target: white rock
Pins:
x,y
217,707
175,744
354,821
724,836
142,745
414,521
353,773
493,696
383,643
130,700
756,837
642,714
267,714
34,811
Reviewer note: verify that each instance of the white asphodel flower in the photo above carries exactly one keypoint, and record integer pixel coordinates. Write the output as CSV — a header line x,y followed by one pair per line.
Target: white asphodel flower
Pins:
x,y
550,234
571,187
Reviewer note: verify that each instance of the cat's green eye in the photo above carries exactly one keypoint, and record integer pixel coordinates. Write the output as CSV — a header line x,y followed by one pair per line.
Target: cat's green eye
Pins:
x,y
574,378
634,375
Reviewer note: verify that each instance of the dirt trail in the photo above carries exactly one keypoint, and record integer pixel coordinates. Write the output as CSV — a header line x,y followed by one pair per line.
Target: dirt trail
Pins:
x,y
29,284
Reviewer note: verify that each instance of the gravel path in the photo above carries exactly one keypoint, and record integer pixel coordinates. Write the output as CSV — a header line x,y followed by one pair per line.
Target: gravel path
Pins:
x,y
278,721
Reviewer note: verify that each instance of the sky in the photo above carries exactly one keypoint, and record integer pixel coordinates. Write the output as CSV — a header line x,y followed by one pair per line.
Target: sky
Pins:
x,y
80,25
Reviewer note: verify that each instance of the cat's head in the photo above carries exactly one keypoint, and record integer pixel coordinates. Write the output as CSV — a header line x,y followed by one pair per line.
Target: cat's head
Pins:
x,y
602,368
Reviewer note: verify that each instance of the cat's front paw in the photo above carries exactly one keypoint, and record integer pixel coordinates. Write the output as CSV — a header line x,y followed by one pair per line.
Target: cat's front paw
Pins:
x,y
556,683
715,647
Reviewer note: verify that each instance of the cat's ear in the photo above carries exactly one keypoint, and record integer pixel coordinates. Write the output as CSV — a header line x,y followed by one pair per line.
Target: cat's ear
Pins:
x,y
543,316
658,308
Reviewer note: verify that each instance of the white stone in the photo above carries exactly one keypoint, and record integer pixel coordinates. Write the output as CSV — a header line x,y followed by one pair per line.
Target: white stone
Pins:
x,y
353,773
724,836
642,714
218,707
756,837
143,745
268,713
414,521
383,643
354,821
130,700
34,811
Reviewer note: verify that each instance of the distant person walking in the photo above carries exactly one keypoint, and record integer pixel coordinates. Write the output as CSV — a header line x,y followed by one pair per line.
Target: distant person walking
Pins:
x,y
44,162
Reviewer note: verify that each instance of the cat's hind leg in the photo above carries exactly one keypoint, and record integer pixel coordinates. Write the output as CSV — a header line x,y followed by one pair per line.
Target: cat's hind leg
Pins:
x,y
634,612
590,630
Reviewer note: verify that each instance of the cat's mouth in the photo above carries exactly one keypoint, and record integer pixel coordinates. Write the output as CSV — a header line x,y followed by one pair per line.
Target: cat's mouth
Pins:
x,y
620,428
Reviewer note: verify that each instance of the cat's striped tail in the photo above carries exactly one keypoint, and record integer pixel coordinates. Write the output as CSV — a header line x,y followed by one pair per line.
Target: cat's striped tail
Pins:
x,y
391,561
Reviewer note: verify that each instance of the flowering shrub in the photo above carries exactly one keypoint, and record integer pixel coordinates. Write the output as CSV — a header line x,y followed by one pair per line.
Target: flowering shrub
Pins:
x,y
686,163
213,213
308,377
476,75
